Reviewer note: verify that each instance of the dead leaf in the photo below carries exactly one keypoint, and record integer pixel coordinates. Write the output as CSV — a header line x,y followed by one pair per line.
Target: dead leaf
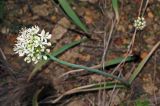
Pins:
x,y
41,10
88,19
148,84
143,55
60,29
90,16
97,78
77,103
85,57
90,1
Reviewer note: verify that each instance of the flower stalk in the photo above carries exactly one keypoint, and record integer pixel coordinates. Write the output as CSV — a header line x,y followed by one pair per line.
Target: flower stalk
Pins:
x,y
139,23
88,69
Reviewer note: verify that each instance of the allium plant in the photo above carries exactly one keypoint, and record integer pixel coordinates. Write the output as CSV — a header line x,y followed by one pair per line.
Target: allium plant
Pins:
x,y
33,44
139,23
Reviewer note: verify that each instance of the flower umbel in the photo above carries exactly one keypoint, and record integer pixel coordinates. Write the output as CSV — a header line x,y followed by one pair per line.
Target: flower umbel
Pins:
x,y
33,44
139,23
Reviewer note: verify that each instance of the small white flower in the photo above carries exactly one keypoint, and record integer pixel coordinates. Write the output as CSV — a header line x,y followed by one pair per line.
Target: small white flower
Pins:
x,y
139,23
32,44
45,57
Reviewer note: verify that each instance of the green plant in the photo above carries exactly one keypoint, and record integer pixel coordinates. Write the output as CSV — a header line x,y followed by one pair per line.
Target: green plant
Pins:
x,y
88,69
55,53
115,6
142,63
121,83
72,15
140,102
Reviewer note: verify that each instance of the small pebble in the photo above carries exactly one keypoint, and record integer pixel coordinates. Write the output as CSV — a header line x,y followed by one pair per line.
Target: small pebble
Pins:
x,y
150,15
53,18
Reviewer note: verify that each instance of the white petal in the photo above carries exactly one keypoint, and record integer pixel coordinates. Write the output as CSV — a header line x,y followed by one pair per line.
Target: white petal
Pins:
x,y
33,59
45,57
47,50
28,61
21,54
42,33
49,36
49,44
36,62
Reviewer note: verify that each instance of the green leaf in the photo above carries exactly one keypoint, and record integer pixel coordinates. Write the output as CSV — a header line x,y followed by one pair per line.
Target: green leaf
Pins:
x,y
72,15
67,46
142,63
61,50
119,60
140,102
115,7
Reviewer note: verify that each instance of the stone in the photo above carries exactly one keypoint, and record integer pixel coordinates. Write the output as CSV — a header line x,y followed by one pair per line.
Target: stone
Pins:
x,y
150,15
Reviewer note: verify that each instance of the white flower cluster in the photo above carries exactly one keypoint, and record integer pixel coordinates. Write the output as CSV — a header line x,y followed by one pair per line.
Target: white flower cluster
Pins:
x,y
139,23
32,43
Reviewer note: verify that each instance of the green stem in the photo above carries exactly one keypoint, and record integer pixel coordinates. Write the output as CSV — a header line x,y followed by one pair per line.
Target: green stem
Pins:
x,y
55,53
88,69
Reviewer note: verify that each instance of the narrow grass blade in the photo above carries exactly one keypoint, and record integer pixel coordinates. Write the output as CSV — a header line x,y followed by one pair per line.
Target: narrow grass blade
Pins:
x,y
116,8
35,97
72,15
61,50
142,63
67,46
119,60
88,88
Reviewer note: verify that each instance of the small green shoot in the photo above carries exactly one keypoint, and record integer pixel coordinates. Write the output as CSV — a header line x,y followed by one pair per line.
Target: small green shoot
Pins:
x,y
116,8
140,102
